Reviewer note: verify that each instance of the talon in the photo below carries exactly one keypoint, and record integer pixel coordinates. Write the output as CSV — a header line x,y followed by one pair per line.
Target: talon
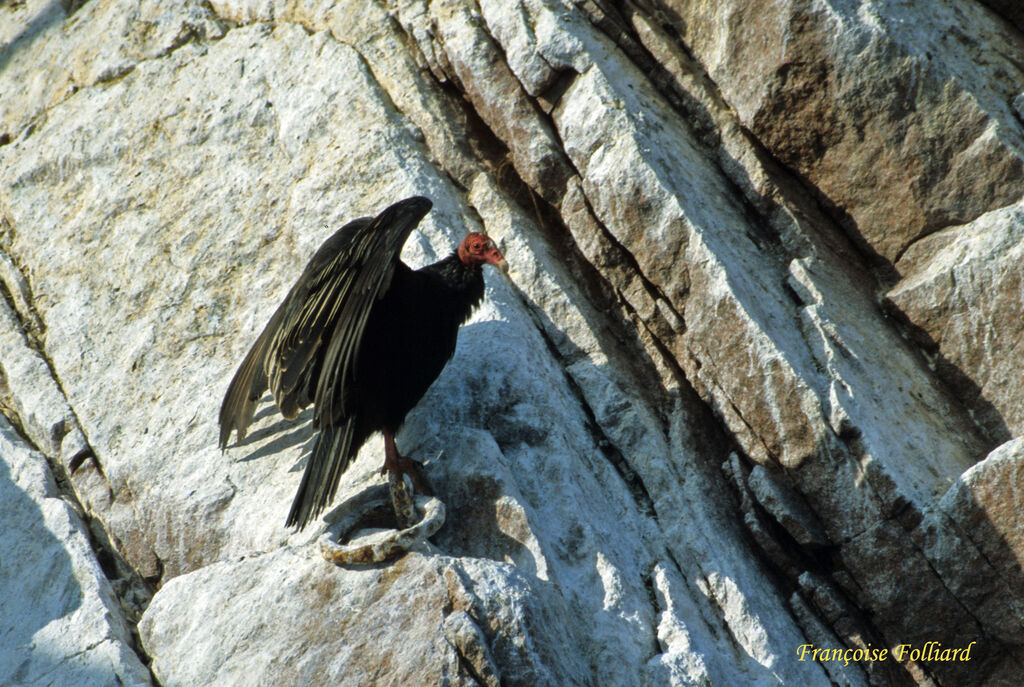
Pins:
x,y
399,465
407,466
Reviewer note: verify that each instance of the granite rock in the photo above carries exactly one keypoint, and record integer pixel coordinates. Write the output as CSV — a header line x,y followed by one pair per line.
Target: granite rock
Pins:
x,y
683,439
60,620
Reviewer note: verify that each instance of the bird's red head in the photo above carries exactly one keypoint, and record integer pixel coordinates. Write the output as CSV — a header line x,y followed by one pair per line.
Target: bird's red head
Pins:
x,y
477,249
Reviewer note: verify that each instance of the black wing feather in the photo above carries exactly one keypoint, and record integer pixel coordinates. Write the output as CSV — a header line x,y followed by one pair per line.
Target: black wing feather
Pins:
x,y
321,472
257,371
248,385
311,317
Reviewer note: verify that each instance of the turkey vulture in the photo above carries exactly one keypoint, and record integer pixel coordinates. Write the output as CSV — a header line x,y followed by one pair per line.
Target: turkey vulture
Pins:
x,y
361,336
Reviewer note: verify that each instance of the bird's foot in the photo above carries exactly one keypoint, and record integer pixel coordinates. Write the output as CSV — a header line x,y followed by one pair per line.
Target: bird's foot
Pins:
x,y
402,500
400,465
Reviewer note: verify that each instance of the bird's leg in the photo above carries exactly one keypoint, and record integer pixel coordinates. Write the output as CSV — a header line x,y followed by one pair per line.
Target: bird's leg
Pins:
x,y
399,465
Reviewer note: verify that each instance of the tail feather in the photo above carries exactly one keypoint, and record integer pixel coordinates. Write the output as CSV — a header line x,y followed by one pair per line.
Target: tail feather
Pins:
x,y
333,450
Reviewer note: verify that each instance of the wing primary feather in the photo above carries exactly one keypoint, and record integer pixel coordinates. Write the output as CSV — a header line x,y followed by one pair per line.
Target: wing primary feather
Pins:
x,y
248,384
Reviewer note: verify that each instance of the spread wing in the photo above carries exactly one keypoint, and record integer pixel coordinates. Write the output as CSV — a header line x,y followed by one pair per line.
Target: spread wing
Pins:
x,y
322,319
250,381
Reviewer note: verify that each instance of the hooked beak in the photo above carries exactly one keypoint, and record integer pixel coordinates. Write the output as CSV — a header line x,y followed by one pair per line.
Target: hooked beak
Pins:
x,y
498,260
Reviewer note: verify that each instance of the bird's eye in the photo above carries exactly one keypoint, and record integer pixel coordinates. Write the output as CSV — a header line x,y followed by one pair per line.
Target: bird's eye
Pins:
x,y
476,246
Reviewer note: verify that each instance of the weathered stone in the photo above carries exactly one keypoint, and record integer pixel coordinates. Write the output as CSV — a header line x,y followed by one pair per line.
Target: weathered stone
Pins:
x,y
471,645
475,60
984,508
38,404
46,55
819,635
307,622
785,507
60,622
963,295
677,296
909,604
900,118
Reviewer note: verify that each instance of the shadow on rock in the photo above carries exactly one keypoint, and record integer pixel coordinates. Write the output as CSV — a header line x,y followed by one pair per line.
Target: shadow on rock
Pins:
x,y
38,586
286,433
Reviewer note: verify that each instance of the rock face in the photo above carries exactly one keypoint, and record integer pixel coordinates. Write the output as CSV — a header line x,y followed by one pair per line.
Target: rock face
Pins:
x,y
62,621
752,385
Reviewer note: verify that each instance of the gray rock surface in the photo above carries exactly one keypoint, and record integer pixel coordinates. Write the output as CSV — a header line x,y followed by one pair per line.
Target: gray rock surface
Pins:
x,y
685,438
962,296
900,118
60,621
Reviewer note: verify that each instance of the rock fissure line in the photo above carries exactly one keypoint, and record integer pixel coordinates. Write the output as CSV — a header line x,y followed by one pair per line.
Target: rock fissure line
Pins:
x,y
655,294
19,294
967,535
611,452
6,396
652,598
666,353
653,291
807,562
123,578
38,345
722,393
688,107
798,558
953,595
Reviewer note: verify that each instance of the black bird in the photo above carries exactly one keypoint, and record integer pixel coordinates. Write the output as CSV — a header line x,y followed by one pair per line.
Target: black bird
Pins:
x,y
361,336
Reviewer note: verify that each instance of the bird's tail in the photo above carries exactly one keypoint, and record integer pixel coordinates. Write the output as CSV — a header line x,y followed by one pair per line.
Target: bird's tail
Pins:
x,y
333,450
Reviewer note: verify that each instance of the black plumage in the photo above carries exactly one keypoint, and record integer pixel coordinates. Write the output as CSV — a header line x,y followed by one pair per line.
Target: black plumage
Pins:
x,y
361,336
